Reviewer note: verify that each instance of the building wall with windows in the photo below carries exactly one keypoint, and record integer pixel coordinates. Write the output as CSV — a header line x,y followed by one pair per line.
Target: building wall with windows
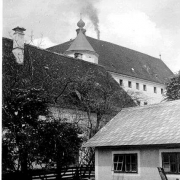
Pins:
x,y
143,91
148,159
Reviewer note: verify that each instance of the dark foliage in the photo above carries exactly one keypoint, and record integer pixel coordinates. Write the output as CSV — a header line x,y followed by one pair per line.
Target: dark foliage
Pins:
x,y
58,142
20,114
173,88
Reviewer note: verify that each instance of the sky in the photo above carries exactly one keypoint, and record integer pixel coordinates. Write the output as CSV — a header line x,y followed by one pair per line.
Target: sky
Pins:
x,y
148,26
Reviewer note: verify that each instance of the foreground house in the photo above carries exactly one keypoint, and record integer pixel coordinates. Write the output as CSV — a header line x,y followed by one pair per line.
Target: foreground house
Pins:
x,y
141,75
137,141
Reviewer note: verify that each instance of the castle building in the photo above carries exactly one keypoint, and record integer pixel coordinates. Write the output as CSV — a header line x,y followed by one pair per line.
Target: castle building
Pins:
x,y
141,75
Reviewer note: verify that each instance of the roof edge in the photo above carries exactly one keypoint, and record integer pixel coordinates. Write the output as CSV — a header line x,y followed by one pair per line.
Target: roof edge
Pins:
x,y
147,106
170,145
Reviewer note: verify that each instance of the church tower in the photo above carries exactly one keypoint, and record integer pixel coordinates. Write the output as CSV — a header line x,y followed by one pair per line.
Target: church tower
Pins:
x,y
80,47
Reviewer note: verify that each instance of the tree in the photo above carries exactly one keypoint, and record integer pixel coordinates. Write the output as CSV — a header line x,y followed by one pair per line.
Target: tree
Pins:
x,y
59,143
173,88
20,114
29,139
94,97
105,100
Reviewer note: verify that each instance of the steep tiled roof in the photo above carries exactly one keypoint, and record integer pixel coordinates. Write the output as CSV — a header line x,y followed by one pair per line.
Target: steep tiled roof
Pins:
x,y
148,125
121,60
80,43
48,70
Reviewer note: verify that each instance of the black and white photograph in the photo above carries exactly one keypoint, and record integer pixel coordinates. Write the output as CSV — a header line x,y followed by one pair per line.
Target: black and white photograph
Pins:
x,y
90,90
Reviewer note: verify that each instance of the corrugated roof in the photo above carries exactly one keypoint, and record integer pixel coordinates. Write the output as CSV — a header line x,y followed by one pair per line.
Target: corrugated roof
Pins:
x,y
121,60
148,125
80,43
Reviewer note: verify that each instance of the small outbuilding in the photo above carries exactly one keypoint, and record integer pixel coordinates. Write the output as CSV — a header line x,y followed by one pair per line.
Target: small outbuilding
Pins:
x,y
138,140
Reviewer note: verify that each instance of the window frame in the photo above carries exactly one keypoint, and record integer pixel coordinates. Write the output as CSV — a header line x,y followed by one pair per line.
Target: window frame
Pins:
x,y
121,82
162,90
155,89
144,87
130,84
177,164
137,86
125,155
145,103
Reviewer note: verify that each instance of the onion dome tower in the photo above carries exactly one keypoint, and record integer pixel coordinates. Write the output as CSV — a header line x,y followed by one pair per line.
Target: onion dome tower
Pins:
x,y
80,24
80,47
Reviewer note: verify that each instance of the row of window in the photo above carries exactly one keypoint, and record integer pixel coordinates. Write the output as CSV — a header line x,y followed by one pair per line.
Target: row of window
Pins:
x,y
128,163
137,86
139,103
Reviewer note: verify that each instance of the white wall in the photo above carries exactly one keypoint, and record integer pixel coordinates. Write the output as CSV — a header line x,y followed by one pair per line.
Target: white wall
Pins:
x,y
148,161
86,56
72,115
144,96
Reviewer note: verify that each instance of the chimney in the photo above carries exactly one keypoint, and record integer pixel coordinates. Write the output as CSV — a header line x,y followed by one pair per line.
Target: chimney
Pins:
x,y
18,44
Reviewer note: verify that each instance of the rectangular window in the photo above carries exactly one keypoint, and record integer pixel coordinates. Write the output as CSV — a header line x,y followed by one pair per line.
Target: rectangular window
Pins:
x,y
138,102
125,163
145,103
171,162
121,82
144,87
129,84
162,91
155,90
137,85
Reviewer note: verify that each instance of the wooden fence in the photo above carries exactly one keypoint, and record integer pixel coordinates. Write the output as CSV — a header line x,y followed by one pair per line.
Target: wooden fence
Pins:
x,y
70,173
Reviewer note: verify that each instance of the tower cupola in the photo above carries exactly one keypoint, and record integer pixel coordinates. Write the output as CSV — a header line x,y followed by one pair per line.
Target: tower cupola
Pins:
x,y
80,48
81,25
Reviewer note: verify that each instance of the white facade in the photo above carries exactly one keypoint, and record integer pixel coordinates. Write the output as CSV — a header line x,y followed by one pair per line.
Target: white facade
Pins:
x,y
148,159
146,92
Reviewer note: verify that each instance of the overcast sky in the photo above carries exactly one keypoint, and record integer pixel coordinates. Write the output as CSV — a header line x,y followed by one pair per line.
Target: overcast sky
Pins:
x,y
148,26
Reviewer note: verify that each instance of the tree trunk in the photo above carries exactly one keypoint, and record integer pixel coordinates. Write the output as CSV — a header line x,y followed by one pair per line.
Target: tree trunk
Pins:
x,y
59,165
23,160
99,116
90,123
24,165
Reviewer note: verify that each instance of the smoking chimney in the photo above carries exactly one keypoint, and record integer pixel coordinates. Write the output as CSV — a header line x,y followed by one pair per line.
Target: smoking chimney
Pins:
x,y
18,44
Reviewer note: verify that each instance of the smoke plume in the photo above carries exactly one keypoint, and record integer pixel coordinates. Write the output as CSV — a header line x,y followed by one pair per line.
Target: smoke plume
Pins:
x,y
91,12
